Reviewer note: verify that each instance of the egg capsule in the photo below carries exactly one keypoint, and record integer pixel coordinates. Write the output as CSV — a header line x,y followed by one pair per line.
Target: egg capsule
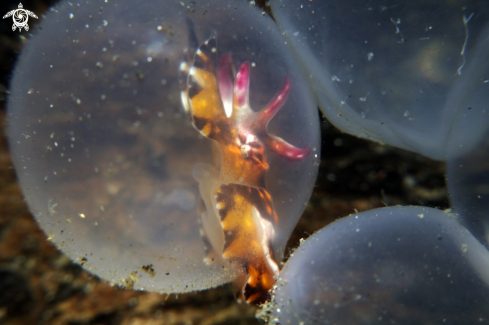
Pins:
x,y
467,163
398,265
110,162
396,73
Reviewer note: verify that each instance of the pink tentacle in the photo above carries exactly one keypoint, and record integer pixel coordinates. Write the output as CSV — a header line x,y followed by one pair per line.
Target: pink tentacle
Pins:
x,y
225,77
241,86
276,103
284,149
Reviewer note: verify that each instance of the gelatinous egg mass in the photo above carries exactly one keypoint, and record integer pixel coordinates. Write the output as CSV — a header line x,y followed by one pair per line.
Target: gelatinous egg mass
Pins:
x,y
396,265
393,72
105,151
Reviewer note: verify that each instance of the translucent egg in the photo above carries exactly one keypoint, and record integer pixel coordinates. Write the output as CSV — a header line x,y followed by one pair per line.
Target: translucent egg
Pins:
x,y
467,165
394,72
105,152
396,265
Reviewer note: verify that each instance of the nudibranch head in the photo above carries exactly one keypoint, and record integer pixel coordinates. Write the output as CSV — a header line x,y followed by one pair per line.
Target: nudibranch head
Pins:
x,y
109,161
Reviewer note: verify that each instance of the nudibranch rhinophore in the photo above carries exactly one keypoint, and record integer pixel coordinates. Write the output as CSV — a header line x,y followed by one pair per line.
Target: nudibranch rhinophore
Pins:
x,y
239,216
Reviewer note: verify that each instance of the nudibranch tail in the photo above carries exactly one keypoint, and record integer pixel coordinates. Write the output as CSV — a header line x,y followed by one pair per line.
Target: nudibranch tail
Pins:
x,y
248,218
239,217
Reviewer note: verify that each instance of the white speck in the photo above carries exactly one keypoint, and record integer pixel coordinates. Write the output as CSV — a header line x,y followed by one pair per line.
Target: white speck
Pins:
x,y
421,216
87,26
464,248
71,15
406,113
253,64
296,33
102,208
55,144
78,101
358,230
213,50
104,49
99,64
363,99
30,91
105,22
335,78
81,215
103,97
149,59
370,56
159,27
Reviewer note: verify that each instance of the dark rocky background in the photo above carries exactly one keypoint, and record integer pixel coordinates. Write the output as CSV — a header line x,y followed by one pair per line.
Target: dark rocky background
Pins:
x,y
39,285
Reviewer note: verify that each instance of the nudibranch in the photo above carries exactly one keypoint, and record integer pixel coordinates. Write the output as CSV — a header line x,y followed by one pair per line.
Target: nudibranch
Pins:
x,y
239,217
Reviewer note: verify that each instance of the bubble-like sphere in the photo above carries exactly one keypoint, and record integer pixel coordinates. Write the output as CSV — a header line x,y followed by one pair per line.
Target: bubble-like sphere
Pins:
x,y
467,164
396,265
394,72
105,152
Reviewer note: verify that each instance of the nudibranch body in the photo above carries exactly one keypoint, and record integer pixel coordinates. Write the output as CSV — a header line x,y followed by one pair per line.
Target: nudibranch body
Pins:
x,y
240,217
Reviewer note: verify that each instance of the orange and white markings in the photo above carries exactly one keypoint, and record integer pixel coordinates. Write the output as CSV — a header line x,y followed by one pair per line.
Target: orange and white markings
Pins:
x,y
240,218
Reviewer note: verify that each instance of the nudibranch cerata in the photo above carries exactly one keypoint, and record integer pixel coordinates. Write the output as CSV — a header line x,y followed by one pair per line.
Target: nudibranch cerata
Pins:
x,y
239,217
